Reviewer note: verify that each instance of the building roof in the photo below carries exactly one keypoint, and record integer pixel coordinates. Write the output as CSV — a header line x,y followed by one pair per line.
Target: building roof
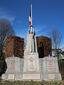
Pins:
x,y
62,49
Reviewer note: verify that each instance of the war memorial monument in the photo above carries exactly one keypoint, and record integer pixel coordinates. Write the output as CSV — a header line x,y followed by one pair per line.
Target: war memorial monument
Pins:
x,y
31,67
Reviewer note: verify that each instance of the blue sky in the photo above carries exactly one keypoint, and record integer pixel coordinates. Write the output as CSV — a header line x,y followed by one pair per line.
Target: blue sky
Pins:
x,y
46,14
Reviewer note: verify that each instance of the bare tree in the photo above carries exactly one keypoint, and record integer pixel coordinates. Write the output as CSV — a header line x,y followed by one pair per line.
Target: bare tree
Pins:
x,y
56,40
5,30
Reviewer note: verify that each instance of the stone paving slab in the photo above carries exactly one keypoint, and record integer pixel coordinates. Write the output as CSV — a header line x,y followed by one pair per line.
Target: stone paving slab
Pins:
x,y
34,80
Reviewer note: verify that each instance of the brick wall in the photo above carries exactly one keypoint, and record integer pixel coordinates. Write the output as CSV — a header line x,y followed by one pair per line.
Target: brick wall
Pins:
x,y
44,46
14,46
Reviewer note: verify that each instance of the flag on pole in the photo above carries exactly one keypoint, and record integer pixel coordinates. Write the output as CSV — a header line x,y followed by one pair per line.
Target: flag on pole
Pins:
x,y
30,18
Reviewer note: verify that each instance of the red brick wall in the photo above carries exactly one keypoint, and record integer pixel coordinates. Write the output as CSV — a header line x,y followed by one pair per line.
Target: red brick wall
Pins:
x,y
14,46
44,45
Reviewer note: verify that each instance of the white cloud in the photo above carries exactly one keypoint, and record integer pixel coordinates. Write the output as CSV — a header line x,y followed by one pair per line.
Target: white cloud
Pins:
x,y
38,31
19,21
40,34
22,35
39,28
5,13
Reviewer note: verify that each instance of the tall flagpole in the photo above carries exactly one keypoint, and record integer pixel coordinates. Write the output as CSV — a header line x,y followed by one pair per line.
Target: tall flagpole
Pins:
x,y
31,17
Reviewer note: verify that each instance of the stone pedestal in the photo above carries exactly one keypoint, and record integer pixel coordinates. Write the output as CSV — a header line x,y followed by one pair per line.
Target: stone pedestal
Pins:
x,y
31,66
13,69
50,69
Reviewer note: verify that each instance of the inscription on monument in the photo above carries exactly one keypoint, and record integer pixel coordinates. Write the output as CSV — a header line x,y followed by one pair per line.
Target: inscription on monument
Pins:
x,y
51,76
31,54
50,64
12,65
31,76
11,76
31,63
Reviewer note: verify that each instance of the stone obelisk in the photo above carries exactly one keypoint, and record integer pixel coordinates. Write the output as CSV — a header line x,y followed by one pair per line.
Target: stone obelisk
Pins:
x,y
31,59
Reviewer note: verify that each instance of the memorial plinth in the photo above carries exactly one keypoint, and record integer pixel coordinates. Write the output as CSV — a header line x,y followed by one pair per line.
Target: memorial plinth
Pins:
x,y
31,66
50,69
13,69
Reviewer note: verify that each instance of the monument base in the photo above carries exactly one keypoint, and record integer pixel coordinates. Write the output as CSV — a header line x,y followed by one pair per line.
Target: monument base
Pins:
x,y
31,66
44,69
51,76
31,76
12,76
